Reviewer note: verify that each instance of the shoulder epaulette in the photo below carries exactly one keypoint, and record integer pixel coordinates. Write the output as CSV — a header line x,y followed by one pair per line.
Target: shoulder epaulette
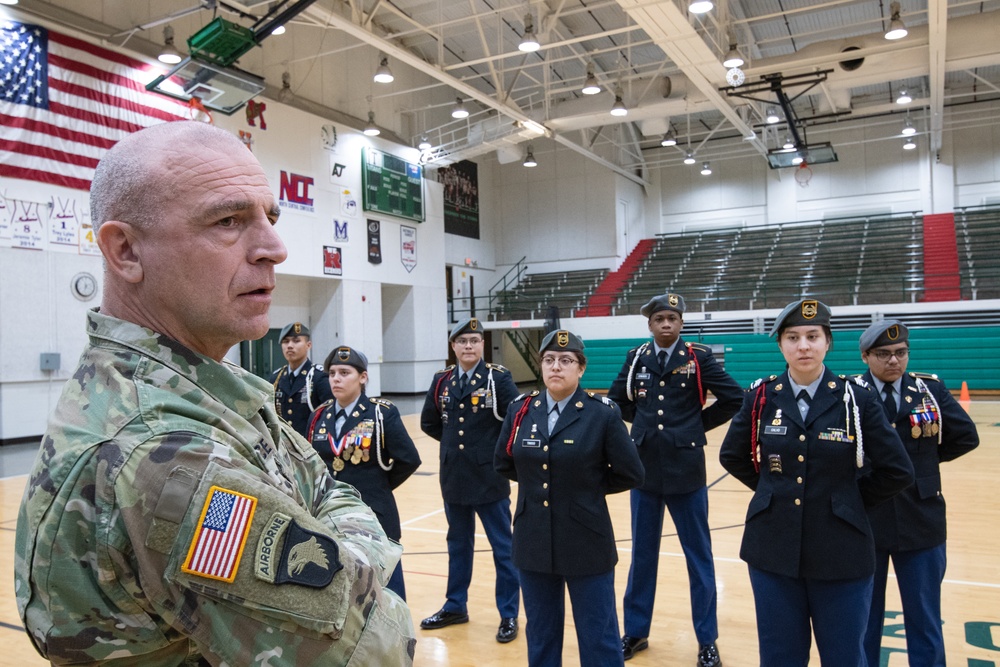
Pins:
x,y
447,369
380,401
319,367
524,396
497,367
699,346
856,379
925,376
756,383
325,403
601,398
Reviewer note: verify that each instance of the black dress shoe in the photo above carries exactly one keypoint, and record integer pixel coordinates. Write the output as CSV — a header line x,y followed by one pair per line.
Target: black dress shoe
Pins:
x,y
708,656
443,619
632,645
507,630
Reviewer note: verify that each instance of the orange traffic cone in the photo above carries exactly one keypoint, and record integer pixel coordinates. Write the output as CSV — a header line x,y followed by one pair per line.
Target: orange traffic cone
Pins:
x,y
963,398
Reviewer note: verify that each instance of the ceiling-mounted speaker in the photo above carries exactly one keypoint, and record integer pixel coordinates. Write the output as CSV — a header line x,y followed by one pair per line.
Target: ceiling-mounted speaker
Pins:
x,y
509,154
666,86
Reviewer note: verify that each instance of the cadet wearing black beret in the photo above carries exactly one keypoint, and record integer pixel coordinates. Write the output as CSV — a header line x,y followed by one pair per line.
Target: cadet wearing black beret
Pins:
x,y
299,386
911,527
662,389
799,442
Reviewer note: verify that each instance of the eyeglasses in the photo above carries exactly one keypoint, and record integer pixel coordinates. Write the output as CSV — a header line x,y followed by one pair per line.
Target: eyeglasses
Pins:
x,y
885,355
468,342
563,362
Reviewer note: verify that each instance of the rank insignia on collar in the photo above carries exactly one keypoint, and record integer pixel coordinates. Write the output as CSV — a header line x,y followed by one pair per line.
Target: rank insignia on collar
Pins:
x,y
831,384
779,387
579,404
909,399
537,403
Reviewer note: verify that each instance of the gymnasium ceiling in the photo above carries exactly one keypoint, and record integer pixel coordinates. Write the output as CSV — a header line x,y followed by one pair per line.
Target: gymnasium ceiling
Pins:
x,y
665,60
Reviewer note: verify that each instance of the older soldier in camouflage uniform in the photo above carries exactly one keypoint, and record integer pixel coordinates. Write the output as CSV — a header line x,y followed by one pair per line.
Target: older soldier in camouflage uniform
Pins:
x,y
171,517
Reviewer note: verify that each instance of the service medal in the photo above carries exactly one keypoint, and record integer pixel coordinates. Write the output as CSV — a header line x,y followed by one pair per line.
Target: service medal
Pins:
x,y
365,455
935,428
475,399
338,464
356,456
915,431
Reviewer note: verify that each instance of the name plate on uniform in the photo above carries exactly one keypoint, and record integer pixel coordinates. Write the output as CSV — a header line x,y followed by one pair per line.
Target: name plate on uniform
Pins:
x,y
775,430
531,443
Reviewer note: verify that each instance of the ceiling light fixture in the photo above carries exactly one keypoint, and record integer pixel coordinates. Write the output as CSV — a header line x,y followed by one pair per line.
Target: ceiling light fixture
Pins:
x,y
280,30
771,116
789,143
797,160
529,43
169,55
383,74
897,29
733,58
371,129
619,108
425,144
529,158
706,170
669,139
590,86
904,97
700,6
8,2
689,157
459,111
908,129
910,144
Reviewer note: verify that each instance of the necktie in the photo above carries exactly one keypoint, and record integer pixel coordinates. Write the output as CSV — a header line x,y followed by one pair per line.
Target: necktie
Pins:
x,y
339,423
553,417
803,399
889,403
661,356
463,382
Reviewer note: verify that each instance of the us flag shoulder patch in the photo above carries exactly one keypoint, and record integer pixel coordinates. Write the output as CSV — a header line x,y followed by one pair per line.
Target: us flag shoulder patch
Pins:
x,y
218,542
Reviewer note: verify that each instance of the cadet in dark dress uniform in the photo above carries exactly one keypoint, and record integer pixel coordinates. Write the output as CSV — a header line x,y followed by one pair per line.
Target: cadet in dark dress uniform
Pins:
x,y
911,527
661,389
567,450
300,386
799,442
464,410
363,442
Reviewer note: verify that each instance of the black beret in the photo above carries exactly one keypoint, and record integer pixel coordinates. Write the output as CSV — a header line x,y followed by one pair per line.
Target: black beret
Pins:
x,y
886,332
801,313
468,325
561,341
668,301
347,356
293,329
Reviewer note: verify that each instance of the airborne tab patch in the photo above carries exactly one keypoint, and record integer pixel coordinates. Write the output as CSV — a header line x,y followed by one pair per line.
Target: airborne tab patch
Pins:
x,y
218,542
307,558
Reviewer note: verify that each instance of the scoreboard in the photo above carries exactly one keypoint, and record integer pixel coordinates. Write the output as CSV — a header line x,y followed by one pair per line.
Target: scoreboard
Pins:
x,y
391,185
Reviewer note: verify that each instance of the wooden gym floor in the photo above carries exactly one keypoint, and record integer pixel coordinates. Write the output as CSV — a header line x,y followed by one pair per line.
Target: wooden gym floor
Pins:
x,y
971,592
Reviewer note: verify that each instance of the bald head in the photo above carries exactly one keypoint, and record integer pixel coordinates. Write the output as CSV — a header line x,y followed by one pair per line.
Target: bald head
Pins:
x,y
129,182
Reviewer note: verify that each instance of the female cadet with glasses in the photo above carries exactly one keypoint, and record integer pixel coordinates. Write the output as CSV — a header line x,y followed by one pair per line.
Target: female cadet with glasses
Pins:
x,y
568,449
363,442
799,442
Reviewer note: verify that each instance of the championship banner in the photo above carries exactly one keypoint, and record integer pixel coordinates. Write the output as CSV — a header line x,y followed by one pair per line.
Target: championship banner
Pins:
x,y
374,242
332,261
461,198
408,247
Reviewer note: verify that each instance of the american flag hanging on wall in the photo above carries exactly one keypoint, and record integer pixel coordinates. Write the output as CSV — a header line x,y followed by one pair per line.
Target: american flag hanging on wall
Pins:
x,y
64,102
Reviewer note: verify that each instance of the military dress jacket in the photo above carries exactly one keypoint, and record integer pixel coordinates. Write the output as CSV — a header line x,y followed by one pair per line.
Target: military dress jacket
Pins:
x,y
171,517
466,424
373,438
668,419
915,519
296,397
561,520
807,514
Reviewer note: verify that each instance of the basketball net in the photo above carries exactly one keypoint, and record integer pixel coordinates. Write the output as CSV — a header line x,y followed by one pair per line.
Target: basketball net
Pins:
x,y
803,175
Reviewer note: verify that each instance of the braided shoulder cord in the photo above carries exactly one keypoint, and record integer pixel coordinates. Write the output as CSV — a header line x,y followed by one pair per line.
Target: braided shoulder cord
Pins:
x,y
631,371
491,388
851,408
312,424
379,439
277,379
922,386
518,418
309,386
437,390
697,374
755,412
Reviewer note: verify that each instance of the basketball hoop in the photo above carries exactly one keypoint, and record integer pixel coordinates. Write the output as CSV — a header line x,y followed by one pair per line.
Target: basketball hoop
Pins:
x,y
803,175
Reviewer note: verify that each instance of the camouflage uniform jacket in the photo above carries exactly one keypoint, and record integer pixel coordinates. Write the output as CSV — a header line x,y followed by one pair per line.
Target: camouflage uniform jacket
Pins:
x,y
151,448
